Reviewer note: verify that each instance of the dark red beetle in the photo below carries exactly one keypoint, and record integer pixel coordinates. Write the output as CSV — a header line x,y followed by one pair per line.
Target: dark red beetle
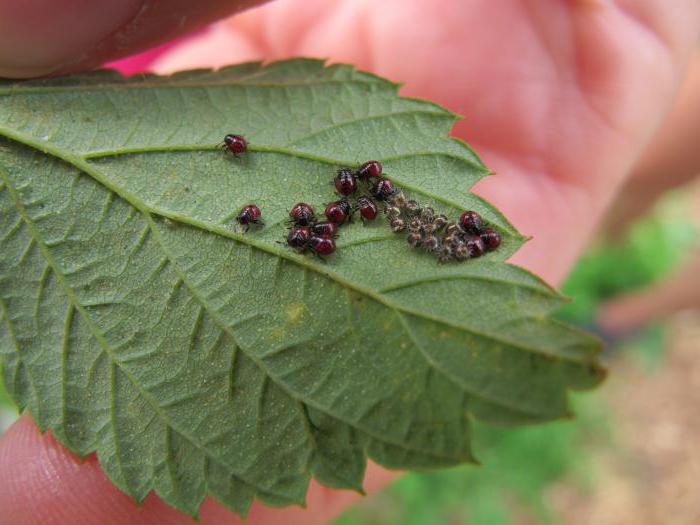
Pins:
x,y
338,212
471,222
345,182
475,246
249,214
298,237
367,208
382,189
235,144
325,229
322,245
302,214
371,168
491,239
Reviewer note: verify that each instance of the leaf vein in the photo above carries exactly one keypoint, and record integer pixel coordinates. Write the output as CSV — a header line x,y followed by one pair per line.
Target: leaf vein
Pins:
x,y
369,118
454,379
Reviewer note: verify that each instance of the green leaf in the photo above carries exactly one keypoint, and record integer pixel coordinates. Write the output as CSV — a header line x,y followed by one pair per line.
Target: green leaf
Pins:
x,y
138,322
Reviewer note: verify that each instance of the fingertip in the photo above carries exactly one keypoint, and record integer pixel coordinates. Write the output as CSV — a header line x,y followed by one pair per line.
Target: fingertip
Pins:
x,y
44,483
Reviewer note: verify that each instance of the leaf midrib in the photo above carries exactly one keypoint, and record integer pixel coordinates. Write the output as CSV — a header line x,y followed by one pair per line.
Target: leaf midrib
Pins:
x,y
97,155
100,154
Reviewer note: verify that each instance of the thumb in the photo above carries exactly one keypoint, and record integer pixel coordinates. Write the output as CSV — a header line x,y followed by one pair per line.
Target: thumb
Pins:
x,y
44,484
41,37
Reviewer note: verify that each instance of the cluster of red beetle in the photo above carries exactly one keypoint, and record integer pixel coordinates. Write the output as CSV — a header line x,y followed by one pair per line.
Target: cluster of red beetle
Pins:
x,y
306,233
465,239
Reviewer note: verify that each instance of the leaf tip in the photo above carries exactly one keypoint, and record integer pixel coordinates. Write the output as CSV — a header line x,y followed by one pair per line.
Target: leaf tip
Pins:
x,y
598,371
563,298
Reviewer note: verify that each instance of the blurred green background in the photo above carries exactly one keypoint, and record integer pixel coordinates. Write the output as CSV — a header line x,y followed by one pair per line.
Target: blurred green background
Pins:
x,y
521,467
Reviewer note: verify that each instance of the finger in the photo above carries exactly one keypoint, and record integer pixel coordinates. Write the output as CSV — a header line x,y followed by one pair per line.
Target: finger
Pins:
x,y
40,37
671,160
43,483
633,310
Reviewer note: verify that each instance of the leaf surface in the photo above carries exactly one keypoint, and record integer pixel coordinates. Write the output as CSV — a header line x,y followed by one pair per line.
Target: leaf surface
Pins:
x,y
137,321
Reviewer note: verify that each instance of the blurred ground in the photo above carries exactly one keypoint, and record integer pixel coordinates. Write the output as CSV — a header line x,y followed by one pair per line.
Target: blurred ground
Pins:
x,y
652,476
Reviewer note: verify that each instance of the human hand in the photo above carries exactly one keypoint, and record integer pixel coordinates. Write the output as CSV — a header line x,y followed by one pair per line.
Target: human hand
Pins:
x,y
560,97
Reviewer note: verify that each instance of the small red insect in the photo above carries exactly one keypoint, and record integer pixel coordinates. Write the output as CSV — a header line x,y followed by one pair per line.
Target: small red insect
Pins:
x,y
338,212
471,222
382,189
249,214
475,246
367,208
235,144
322,245
325,229
345,182
491,239
298,237
371,168
302,214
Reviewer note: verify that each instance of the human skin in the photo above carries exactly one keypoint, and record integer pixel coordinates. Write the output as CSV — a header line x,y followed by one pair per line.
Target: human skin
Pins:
x,y
560,98
671,160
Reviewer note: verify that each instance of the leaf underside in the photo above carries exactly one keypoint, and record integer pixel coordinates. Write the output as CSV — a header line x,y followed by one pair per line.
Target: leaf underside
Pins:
x,y
136,320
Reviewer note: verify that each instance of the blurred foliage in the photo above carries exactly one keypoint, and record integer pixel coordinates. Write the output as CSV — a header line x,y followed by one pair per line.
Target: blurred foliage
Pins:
x,y
654,245
647,346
